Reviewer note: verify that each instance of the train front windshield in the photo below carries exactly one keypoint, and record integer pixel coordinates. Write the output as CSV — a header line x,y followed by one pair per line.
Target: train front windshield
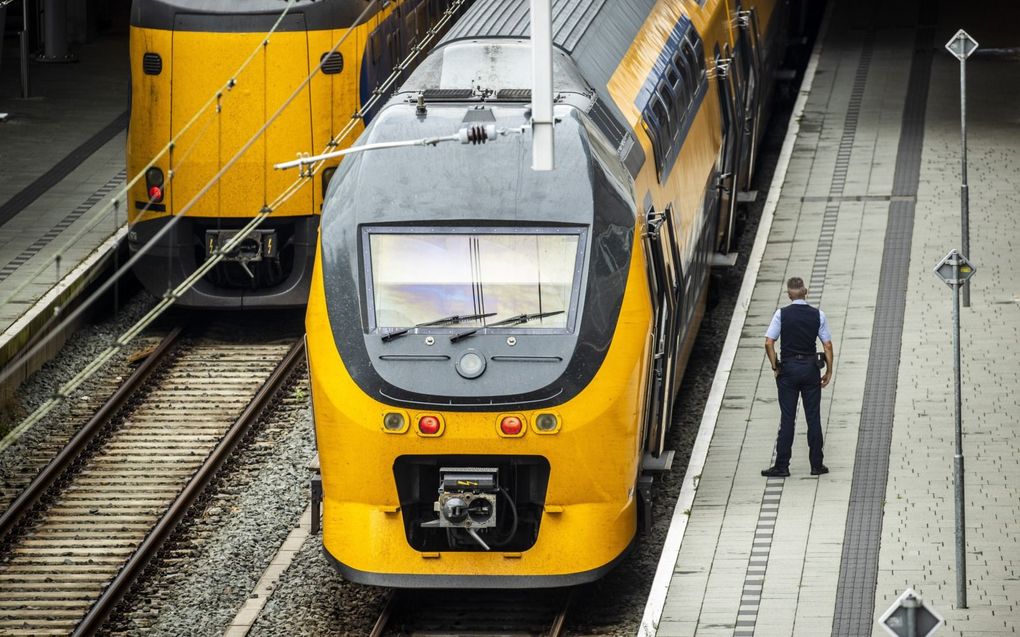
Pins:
x,y
422,277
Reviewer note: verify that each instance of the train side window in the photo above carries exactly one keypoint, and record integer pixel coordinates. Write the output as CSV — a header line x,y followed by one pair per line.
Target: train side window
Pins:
x,y
681,88
664,105
654,124
692,63
673,75
421,19
411,28
699,52
375,44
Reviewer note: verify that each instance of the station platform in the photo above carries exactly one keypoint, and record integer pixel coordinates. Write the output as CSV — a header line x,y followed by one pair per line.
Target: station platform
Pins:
x,y
864,204
61,163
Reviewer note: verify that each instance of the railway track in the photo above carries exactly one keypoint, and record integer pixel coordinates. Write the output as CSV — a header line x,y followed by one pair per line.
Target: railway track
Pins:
x,y
78,536
475,613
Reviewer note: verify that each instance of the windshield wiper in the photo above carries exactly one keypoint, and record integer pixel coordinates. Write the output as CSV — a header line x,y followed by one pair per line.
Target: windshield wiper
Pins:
x,y
448,320
513,320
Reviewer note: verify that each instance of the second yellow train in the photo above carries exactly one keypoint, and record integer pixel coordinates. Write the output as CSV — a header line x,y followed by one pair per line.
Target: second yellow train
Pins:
x,y
182,53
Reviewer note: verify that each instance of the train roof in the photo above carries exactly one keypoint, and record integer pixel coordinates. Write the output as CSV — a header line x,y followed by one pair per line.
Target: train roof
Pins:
x,y
231,16
595,33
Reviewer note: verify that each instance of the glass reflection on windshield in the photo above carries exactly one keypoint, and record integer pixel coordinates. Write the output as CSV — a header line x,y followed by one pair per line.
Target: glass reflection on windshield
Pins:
x,y
417,277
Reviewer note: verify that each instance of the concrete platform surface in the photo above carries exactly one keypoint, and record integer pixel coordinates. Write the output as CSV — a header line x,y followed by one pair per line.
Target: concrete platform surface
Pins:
x,y
868,206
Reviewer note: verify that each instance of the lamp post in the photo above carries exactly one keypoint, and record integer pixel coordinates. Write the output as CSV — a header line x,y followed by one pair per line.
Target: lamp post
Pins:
x,y
955,270
962,46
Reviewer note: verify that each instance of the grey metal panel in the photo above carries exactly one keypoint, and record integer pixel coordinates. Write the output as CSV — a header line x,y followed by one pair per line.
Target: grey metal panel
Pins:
x,y
613,26
510,19
599,53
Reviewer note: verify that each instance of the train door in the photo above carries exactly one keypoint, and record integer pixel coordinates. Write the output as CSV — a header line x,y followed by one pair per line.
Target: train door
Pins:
x,y
732,134
665,276
751,55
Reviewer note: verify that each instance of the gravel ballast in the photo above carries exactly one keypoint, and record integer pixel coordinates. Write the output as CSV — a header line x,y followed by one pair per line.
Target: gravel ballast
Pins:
x,y
213,561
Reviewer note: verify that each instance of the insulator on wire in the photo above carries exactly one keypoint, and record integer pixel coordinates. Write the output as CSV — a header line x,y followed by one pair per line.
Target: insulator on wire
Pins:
x,y
477,134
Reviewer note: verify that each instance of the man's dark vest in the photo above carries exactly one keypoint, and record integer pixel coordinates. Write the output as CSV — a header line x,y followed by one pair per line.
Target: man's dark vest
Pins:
x,y
798,329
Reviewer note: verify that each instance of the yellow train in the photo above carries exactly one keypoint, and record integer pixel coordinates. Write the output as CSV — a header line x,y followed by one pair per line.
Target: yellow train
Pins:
x,y
494,351
182,52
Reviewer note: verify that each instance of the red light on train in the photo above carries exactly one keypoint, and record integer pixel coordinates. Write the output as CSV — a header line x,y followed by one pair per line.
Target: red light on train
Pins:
x,y
429,425
155,193
511,425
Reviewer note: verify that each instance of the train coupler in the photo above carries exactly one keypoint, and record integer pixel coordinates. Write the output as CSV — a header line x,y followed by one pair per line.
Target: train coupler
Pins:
x,y
467,501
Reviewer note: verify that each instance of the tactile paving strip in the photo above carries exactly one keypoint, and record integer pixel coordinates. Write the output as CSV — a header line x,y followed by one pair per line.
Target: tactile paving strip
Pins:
x,y
761,546
64,224
858,570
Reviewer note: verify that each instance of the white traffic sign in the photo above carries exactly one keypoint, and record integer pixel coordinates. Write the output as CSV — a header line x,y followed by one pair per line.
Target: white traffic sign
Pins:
x,y
961,45
909,616
955,269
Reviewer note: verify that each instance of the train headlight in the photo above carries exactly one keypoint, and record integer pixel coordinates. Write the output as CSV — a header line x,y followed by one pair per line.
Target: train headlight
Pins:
x,y
547,423
394,422
471,364
430,425
511,425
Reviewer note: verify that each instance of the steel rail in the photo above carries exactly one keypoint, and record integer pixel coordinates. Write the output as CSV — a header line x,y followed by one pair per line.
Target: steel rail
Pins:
x,y
384,617
560,621
149,547
57,467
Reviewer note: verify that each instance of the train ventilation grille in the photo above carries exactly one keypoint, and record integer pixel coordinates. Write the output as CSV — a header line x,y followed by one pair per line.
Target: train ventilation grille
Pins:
x,y
152,64
332,63
514,94
440,94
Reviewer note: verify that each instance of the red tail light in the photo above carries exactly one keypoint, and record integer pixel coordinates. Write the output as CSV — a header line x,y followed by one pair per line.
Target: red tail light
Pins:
x,y
154,184
511,425
429,425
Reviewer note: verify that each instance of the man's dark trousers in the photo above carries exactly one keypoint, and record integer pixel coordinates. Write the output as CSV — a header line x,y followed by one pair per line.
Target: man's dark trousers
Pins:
x,y
799,377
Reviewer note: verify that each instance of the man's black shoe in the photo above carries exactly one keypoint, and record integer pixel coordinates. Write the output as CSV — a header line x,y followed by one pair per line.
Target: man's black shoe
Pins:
x,y
777,472
819,470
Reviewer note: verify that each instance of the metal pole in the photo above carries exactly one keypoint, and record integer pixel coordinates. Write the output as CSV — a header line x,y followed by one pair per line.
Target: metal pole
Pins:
x,y
23,46
55,30
964,191
961,530
542,92
910,604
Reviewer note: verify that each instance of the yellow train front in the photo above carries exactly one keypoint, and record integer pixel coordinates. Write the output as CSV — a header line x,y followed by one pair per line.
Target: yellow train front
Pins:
x,y
183,52
493,350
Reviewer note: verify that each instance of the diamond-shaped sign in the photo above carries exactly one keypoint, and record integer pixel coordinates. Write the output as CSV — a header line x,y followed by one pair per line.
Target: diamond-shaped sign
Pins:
x,y
954,269
926,620
961,45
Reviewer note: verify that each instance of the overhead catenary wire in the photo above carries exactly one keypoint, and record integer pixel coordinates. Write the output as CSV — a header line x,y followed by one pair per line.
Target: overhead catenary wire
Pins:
x,y
65,390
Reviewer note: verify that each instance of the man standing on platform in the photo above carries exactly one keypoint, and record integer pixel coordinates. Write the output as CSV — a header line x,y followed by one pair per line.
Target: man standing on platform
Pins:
x,y
796,326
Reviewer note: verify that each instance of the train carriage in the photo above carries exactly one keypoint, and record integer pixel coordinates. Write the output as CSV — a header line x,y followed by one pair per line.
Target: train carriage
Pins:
x,y
494,351
182,53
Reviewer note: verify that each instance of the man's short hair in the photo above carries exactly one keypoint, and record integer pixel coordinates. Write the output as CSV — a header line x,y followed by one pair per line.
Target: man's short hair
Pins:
x,y
795,285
